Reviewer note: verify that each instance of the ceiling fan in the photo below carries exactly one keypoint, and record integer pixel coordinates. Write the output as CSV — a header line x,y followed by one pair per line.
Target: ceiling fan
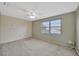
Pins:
x,y
30,13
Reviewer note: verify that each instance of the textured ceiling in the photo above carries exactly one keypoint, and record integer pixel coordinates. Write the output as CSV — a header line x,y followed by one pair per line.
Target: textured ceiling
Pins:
x,y
41,9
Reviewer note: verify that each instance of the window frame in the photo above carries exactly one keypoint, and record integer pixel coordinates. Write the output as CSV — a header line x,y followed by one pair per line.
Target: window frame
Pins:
x,y
60,26
43,27
50,26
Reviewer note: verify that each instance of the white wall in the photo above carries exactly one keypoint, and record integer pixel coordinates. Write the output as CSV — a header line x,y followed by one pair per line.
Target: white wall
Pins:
x,y
12,29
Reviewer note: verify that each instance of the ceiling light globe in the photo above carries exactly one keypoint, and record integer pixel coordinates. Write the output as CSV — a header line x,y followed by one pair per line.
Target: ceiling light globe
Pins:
x,y
32,17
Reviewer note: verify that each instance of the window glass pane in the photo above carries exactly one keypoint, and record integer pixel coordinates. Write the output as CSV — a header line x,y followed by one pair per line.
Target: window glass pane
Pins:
x,y
45,24
45,30
56,22
45,27
55,30
55,27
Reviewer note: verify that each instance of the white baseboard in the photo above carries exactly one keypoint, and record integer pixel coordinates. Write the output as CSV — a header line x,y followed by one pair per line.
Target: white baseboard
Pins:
x,y
13,40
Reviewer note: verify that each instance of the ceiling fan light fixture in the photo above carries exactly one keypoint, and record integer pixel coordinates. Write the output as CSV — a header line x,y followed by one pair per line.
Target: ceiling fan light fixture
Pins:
x,y
32,17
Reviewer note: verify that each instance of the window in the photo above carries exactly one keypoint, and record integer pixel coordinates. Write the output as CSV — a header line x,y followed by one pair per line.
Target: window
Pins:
x,y
45,27
51,26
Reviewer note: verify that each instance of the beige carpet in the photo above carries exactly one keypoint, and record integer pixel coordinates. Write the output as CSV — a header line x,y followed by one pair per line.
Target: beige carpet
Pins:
x,y
33,47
